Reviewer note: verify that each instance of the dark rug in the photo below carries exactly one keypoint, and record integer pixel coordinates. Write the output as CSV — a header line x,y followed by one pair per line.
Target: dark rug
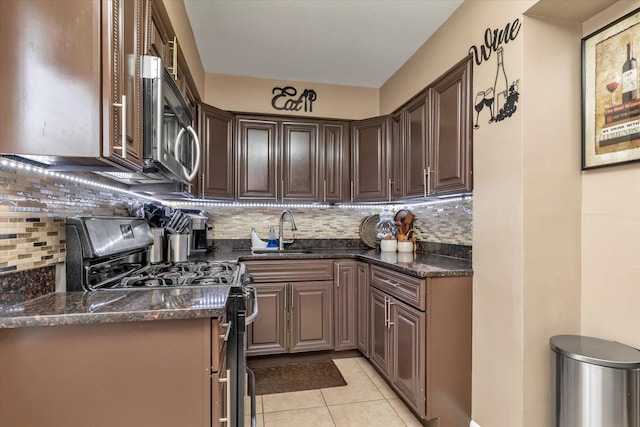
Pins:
x,y
297,376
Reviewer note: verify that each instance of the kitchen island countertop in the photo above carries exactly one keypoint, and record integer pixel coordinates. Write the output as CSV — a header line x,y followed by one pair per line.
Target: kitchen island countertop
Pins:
x,y
118,305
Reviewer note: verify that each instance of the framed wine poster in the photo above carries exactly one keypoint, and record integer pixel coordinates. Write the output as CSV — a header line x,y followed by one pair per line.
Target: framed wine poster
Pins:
x,y
610,95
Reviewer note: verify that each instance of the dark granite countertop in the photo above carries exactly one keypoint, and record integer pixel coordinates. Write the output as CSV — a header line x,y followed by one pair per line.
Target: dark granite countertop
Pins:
x,y
118,305
414,264
128,305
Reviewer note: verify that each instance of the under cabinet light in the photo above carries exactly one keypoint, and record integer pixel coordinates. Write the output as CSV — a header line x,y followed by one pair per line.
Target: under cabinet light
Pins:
x,y
73,178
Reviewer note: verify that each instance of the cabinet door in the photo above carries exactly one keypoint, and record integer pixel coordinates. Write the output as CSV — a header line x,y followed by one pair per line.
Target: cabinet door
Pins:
x,y
451,133
51,96
300,151
380,349
311,316
267,334
216,136
397,155
408,373
157,35
123,99
370,153
335,162
363,308
416,153
257,153
346,305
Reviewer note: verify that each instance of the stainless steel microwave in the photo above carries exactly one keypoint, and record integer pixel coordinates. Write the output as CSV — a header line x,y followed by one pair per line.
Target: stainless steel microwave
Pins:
x,y
170,144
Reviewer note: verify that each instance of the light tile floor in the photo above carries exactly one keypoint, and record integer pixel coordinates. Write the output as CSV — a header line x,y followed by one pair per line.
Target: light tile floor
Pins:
x,y
365,401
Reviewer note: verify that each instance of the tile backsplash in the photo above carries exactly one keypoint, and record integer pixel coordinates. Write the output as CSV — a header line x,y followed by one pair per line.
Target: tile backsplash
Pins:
x,y
33,208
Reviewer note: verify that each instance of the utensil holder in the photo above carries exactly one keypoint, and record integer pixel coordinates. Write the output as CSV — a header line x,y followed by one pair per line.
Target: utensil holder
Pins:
x,y
178,247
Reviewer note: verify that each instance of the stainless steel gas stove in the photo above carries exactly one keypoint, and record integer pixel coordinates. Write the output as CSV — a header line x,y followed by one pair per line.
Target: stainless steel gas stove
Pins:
x,y
113,253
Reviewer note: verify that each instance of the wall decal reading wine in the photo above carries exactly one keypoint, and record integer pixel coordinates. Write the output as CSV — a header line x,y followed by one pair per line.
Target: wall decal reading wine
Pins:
x,y
285,99
501,99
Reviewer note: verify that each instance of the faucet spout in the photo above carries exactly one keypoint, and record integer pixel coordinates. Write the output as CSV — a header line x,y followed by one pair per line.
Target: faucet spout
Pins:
x,y
293,227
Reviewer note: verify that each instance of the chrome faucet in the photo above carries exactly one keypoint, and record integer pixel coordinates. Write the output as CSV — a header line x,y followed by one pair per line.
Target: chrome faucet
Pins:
x,y
280,231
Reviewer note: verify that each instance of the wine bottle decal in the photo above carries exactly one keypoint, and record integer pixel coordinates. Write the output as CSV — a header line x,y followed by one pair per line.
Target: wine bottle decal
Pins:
x,y
630,76
500,86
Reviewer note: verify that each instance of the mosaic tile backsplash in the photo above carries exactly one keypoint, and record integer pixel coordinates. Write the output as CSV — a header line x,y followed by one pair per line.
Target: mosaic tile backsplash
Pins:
x,y
34,205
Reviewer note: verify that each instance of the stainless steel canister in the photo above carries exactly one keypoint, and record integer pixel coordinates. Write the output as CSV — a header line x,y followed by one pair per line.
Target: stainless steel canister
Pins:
x,y
156,253
178,248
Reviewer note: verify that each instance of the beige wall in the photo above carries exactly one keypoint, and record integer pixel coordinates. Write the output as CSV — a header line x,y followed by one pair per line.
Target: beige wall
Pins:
x,y
611,236
247,94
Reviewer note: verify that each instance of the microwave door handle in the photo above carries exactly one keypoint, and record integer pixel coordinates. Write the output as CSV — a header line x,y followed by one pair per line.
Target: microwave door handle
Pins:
x,y
196,141
196,163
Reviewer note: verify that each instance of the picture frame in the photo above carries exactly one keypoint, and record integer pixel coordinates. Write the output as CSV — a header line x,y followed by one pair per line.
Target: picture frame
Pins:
x,y
611,94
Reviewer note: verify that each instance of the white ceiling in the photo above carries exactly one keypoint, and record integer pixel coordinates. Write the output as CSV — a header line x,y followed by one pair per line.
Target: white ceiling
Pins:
x,y
346,42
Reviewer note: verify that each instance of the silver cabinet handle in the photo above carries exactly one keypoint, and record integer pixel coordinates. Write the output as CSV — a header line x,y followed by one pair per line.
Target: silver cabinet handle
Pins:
x,y
324,190
173,69
428,181
227,380
390,323
386,313
391,282
225,336
352,191
390,182
123,125
202,189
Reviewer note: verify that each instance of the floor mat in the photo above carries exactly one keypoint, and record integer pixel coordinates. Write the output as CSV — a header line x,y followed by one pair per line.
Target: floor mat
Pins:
x,y
297,376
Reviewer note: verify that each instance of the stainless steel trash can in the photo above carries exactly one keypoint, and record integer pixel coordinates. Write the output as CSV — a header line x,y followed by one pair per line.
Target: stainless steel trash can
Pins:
x,y
596,382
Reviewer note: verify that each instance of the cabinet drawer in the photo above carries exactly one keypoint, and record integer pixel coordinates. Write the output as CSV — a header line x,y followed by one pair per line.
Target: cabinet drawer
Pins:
x,y
290,270
406,288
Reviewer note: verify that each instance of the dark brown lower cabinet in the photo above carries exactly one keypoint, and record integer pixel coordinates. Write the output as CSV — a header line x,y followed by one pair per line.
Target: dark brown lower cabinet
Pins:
x,y
159,373
363,307
310,320
268,333
295,301
293,318
420,341
345,305
398,347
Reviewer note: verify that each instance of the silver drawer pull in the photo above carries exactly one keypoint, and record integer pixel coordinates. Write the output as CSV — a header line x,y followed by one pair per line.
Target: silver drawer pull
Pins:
x,y
225,336
391,282
228,385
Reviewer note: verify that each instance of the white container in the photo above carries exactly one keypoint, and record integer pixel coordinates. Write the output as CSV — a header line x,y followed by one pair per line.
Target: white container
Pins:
x,y
388,245
405,246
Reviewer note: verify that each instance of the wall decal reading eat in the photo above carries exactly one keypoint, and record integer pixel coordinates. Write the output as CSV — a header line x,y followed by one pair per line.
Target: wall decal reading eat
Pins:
x,y
286,98
502,97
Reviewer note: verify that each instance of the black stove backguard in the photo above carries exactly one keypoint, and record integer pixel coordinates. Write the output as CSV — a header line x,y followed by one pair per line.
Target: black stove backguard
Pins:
x,y
102,250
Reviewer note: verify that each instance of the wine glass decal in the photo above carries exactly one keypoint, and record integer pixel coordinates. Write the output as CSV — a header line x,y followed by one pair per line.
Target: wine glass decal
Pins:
x,y
478,105
488,101
613,81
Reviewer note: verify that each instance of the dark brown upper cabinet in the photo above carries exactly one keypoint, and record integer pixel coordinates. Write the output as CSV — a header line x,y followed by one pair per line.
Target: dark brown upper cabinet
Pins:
x,y
79,106
370,144
216,178
257,151
300,161
451,150
335,162
431,139
280,159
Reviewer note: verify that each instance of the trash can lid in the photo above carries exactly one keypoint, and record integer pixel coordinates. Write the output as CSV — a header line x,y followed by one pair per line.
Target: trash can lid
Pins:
x,y
596,351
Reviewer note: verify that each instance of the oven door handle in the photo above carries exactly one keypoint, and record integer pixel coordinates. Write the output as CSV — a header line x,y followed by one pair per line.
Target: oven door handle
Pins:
x,y
254,299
